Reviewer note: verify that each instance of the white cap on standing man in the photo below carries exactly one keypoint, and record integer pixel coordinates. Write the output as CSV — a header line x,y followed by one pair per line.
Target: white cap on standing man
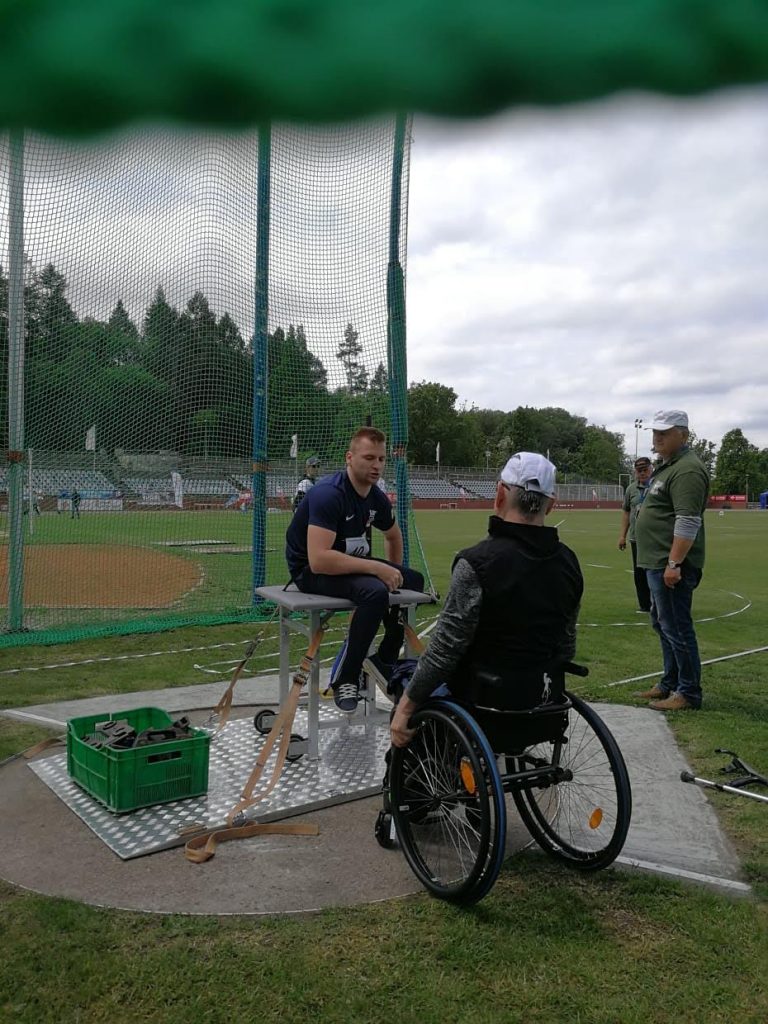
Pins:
x,y
666,419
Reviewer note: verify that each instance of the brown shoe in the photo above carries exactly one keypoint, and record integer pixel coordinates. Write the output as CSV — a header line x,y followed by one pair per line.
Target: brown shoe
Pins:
x,y
674,702
654,693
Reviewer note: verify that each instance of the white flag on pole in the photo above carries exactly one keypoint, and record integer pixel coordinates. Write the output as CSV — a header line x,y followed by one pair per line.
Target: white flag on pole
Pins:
x,y
90,439
178,489
437,452
294,446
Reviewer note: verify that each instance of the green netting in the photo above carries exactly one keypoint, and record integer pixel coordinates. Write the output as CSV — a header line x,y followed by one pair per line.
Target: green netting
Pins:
x,y
147,499
84,65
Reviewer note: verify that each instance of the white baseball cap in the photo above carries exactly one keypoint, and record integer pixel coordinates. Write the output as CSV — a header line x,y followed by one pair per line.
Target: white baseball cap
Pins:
x,y
530,471
666,419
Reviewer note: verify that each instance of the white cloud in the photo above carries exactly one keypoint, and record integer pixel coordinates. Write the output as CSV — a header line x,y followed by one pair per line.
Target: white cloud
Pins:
x,y
609,258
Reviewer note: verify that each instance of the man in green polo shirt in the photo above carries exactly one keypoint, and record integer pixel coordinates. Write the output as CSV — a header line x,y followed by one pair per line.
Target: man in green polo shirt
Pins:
x,y
633,499
669,532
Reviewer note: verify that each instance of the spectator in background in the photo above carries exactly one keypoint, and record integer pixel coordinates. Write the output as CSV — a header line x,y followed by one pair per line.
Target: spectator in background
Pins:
x,y
633,498
311,469
75,499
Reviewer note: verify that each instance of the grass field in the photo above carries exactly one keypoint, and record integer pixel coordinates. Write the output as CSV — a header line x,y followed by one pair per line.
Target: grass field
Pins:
x,y
544,946
225,576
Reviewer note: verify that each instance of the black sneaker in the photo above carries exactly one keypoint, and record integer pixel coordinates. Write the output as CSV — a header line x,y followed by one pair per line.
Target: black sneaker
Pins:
x,y
346,697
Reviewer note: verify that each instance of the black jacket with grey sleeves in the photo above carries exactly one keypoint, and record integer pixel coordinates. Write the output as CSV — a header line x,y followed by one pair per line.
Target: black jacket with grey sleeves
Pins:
x,y
512,606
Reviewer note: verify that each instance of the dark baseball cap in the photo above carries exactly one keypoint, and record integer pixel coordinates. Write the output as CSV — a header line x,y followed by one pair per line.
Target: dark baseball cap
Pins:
x,y
313,461
642,462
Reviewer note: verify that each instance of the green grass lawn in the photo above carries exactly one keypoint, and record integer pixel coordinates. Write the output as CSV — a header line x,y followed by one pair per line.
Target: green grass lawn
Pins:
x,y
546,945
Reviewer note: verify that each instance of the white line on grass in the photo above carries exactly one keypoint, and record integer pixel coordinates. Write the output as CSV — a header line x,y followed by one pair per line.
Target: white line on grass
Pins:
x,y
559,524
159,654
430,627
118,657
709,661
644,621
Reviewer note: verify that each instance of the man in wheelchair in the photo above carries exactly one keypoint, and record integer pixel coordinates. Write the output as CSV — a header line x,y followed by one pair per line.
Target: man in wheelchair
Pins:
x,y
505,728
509,620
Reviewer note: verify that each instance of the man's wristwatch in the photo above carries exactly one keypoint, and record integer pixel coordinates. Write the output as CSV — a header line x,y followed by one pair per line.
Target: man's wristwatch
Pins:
x,y
673,565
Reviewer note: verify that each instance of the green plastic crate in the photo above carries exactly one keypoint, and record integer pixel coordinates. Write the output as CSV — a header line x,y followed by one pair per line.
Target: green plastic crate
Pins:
x,y
124,780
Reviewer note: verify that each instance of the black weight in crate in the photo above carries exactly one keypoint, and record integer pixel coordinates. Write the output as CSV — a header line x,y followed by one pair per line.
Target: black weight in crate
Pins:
x,y
125,779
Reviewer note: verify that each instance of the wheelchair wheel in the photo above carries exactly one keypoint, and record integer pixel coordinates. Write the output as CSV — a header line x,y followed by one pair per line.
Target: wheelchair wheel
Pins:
x,y
584,818
448,804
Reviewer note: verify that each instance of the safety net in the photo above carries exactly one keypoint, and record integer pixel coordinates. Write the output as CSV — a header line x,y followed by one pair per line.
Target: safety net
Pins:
x,y
159,433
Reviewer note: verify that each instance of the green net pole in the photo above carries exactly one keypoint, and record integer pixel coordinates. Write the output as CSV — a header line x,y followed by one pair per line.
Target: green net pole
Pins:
x,y
16,383
396,345
260,367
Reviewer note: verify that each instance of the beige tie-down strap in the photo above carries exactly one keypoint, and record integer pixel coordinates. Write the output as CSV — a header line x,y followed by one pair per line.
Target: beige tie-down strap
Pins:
x,y
224,707
201,848
52,741
415,642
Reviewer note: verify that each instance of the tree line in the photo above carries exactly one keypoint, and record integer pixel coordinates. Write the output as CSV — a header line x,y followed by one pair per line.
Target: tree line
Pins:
x,y
182,380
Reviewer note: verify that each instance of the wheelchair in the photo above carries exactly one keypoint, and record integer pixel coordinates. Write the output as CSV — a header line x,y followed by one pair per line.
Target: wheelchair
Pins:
x,y
445,793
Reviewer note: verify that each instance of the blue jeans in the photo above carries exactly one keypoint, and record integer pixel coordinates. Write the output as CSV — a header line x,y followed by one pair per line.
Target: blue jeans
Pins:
x,y
671,618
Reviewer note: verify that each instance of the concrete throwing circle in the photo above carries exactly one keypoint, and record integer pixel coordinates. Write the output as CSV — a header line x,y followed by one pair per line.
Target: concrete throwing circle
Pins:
x,y
45,848
102,576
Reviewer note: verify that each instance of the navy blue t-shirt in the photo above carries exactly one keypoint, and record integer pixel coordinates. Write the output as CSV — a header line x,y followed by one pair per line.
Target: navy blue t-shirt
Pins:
x,y
334,504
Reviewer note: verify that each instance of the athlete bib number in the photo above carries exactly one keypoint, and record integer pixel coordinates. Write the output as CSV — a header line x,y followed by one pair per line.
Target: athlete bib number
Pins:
x,y
357,547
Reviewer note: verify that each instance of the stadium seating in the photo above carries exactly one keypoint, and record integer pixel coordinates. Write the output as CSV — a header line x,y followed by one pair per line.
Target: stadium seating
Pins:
x,y
439,490
146,485
197,486
478,488
54,481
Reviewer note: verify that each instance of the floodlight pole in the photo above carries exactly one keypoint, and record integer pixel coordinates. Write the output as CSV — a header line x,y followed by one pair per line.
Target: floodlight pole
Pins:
x,y
638,428
16,383
260,363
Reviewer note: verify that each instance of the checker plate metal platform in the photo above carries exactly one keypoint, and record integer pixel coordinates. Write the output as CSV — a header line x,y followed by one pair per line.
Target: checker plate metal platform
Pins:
x,y
350,767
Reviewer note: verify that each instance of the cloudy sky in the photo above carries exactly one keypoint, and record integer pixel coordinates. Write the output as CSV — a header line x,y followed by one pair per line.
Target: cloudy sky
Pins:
x,y
611,259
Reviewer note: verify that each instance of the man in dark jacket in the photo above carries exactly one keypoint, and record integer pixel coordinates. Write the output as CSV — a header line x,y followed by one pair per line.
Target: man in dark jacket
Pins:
x,y
509,620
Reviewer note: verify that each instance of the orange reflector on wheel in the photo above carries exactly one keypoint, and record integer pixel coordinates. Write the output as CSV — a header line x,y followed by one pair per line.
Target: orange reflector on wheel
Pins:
x,y
467,776
596,818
